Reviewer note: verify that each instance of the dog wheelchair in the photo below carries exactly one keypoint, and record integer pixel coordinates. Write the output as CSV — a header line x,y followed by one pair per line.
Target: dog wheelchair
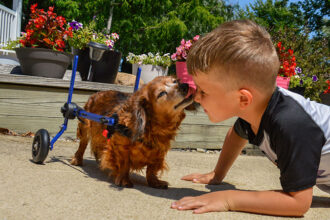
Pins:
x,y
41,141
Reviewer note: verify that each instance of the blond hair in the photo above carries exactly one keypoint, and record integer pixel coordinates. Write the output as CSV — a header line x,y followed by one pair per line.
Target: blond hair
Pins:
x,y
242,49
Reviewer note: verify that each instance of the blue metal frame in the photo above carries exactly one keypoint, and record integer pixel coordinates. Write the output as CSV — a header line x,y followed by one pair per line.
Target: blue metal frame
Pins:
x,y
83,114
137,79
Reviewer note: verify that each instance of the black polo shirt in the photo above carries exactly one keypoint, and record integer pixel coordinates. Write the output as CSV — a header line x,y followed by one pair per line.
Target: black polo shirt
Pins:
x,y
294,133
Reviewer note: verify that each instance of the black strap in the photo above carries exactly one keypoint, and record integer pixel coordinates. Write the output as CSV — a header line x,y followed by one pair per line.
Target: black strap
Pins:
x,y
121,129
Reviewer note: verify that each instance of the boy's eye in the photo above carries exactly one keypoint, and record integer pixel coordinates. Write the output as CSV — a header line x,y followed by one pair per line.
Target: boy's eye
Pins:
x,y
161,94
202,93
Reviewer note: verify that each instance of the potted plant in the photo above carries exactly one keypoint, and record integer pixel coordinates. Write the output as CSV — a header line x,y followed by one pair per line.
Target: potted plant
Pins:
x,y
179,57
105,68
151,65
287,66
41,51
309,86
300,82
81,36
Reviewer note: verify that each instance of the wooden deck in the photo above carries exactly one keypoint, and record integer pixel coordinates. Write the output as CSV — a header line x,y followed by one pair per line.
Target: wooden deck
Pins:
x,y
29,103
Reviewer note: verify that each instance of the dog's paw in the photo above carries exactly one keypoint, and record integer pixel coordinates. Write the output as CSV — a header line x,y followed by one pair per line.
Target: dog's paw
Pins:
x,y
159,184
76,162
123,182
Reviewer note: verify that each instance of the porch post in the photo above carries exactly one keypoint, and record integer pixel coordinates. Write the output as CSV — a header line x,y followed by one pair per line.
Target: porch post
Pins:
x,y
17,7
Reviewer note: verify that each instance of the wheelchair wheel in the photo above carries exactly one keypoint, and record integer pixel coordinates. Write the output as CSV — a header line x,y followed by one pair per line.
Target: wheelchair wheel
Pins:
x,y
40,146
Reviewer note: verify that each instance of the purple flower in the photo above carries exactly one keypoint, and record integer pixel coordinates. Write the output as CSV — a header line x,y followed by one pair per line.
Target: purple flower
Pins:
x,y
75,25
314,78
301,82
298,70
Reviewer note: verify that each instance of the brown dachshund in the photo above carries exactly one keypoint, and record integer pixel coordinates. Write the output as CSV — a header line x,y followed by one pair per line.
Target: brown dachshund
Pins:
x,y
148,121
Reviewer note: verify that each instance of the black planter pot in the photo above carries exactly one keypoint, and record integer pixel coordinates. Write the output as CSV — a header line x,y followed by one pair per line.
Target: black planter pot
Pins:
x,y
299,90
325,98
126,67
83,62
105,70
43,62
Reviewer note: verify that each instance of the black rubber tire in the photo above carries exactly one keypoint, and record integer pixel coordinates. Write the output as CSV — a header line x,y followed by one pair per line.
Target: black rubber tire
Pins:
x,y
40,146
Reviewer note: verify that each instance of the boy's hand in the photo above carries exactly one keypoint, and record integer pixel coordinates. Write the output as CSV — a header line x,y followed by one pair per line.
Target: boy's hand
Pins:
x,y
210,202
207,178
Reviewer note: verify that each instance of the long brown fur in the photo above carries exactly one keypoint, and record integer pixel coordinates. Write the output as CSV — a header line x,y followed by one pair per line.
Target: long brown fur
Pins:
x,y
153,119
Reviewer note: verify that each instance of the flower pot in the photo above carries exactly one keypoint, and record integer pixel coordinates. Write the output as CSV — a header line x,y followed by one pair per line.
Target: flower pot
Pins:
x,y
325,98
83,61
43,62
149,72
184,77
299,90
283,82
105,70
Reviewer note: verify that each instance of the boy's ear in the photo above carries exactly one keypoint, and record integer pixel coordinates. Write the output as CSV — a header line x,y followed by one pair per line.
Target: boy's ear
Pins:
x,y
246,98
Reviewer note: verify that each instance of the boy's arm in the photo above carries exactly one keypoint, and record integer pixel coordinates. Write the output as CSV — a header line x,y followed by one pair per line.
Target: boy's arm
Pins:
x,y
232,147
263,202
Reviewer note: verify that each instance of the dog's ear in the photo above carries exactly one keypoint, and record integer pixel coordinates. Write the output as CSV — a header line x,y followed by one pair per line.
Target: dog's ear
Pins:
x,y
140,113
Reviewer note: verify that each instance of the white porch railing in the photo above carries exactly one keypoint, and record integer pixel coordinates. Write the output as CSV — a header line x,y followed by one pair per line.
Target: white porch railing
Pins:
x,y
10,22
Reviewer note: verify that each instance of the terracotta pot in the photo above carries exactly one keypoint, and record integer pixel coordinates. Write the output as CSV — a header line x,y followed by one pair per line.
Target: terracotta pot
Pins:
x,y
149,72
43,62
283,82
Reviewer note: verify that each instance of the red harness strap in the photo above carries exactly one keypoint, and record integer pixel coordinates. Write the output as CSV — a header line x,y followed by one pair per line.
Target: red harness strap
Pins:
x,y
105,134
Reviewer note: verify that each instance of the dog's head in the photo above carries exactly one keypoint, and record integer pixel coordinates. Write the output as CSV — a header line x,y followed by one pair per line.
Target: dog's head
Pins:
x,y
165,95
160,102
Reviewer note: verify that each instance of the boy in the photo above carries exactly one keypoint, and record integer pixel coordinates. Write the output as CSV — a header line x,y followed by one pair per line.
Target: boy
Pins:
x,y
235,68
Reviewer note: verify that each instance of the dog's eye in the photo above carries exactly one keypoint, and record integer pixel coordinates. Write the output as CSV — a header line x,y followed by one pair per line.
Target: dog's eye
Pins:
x,y
175,81
161,94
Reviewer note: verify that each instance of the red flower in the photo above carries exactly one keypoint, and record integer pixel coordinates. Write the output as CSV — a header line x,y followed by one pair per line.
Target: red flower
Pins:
x,y
327,91
45,30
23,42
287,61
33,8
60,43
48,41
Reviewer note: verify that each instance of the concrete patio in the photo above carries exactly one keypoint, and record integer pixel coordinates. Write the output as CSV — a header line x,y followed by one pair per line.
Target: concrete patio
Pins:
x,y
57,190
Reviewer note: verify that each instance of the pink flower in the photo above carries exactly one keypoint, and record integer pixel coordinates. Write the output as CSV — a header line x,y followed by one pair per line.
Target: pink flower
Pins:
x,y
183,50
110,43
188,45
184,54
196,38
179,49
183,42
115,36
173,56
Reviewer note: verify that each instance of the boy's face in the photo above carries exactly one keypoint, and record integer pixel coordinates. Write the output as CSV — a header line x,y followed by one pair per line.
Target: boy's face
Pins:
x,y
218,102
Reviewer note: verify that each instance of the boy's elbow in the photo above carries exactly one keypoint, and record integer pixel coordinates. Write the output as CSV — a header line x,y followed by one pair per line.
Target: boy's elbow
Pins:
x,y
302,209
305,206
303,201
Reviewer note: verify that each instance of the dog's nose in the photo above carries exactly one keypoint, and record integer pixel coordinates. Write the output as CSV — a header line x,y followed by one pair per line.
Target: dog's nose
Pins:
x,y
183,88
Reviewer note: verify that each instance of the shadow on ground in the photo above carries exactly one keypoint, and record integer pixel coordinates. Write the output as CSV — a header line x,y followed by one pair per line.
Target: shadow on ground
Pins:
x,y
90,169
320,202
